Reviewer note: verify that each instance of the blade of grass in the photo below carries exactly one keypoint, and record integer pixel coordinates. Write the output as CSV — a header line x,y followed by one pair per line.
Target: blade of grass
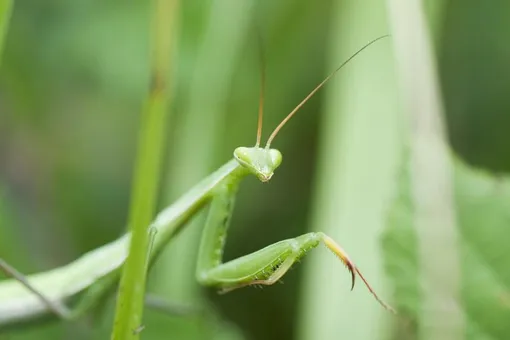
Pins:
x,y
431,173
129,309
358,159
5,16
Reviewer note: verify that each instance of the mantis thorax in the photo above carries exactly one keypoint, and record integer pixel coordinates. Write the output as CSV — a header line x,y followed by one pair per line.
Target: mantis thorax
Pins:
x,y
262,162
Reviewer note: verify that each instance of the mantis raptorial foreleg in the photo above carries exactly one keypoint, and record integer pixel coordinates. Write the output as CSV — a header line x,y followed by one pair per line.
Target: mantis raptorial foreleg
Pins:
x,y
263,267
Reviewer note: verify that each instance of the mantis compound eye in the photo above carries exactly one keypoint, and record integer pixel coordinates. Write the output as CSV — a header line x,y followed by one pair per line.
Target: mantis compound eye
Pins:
x,y
276,157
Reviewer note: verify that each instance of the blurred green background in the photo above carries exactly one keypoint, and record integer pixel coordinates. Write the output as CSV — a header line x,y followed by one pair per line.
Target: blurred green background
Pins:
x,y
72,80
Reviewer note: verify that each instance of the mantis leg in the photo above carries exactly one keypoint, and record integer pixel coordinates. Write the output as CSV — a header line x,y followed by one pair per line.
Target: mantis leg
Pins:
x,y
263,267
92,297
56,307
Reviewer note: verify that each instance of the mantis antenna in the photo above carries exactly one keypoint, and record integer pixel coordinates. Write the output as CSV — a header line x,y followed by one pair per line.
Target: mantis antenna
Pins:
x,y
262,88
289,116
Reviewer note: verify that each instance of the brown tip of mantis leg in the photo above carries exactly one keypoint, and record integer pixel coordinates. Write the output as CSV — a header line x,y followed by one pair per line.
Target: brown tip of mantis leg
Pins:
x,y
350,266
342,255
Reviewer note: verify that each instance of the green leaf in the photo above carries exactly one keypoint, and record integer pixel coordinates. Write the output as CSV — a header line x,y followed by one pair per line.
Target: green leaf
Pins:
x,y
482,203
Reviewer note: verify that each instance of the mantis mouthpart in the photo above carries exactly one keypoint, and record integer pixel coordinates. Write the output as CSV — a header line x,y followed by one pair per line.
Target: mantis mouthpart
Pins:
x,y
88,279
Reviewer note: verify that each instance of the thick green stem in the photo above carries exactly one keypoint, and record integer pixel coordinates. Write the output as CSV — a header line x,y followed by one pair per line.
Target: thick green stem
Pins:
x,y
358,159
431,174
129,310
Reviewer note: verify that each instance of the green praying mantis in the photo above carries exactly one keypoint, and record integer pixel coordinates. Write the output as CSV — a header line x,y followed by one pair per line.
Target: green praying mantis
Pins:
x,y
83,283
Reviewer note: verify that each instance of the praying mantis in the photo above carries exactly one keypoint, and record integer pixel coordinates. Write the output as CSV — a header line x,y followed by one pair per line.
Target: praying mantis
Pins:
x,y
83,283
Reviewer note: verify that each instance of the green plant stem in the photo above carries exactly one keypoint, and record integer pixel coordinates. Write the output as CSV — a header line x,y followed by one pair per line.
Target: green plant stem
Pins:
x,y
192,157
431,174
129,308
5,16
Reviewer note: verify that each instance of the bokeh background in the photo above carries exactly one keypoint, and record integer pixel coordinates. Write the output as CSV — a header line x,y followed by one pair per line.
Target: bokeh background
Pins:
x,y
73,76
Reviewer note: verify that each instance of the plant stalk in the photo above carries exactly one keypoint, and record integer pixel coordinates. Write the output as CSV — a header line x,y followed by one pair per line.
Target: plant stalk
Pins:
x,y
431,174
359,148
129,310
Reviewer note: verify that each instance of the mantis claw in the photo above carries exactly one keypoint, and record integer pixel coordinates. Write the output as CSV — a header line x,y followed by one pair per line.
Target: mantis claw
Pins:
x,y
342,255
353,274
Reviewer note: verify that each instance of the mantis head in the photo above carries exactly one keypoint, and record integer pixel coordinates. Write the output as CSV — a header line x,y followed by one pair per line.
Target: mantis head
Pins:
x,y
262,162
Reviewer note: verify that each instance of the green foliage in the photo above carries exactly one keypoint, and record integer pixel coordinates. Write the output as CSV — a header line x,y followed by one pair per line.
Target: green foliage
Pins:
x,y
483,211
